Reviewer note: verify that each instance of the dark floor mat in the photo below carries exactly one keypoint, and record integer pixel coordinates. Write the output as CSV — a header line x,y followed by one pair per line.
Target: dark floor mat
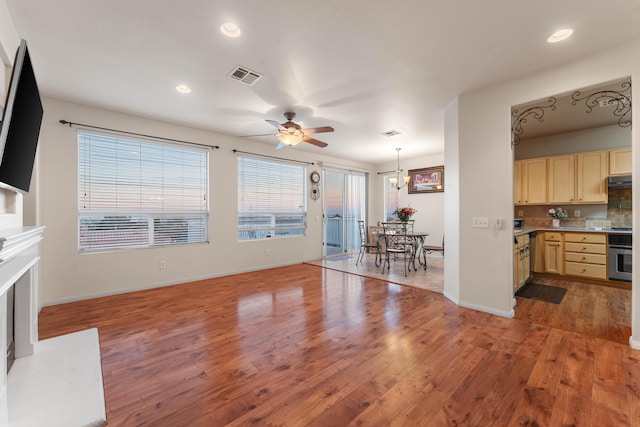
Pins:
x,y
552,294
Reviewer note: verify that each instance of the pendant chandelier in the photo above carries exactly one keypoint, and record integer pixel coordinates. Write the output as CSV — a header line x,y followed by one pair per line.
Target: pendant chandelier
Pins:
x,y
395,180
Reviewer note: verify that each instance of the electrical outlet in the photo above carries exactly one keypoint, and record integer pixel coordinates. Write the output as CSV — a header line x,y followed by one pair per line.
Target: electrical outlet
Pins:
x,y
480,222
576,213
520,213
163,264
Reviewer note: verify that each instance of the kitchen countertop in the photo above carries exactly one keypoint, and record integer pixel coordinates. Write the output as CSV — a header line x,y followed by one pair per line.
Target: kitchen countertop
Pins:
x,y
527,230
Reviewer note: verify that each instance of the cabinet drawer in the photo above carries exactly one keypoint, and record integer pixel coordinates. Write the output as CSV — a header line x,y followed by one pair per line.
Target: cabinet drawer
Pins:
x,y
553,237
590,248
585,238
586,270
584,257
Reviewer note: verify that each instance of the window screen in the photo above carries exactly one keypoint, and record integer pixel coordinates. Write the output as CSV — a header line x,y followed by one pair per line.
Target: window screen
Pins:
x,y
271,198
137,193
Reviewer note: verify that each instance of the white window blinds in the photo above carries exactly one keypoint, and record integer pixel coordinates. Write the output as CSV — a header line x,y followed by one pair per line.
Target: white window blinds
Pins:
x,y
136,193
271,198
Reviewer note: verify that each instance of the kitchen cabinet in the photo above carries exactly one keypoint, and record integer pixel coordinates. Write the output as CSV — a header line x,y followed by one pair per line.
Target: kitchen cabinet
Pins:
x,y
553,252
620,161
517,182
537,252
561,179
534,181
586,255
521,261
591,178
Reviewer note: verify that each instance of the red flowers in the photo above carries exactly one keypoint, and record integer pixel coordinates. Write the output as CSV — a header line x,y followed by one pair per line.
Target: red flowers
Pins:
x,y
404,213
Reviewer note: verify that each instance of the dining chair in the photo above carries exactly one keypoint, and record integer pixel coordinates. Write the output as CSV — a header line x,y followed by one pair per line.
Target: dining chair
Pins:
x,y
365,246
431,249
396,244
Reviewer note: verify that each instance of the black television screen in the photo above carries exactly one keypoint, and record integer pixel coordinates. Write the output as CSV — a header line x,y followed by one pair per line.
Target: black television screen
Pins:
x,y
21,122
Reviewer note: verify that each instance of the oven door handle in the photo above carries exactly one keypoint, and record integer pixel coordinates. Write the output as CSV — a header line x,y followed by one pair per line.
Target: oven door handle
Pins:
x,y
619,247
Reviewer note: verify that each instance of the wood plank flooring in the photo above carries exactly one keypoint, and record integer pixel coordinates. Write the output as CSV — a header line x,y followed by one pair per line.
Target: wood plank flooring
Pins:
x,y
303,345
595,310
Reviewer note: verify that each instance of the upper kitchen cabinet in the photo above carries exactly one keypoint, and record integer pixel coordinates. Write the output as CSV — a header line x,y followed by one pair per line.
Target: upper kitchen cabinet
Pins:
x,y
620,161
534,181
517,182
591,178
561,179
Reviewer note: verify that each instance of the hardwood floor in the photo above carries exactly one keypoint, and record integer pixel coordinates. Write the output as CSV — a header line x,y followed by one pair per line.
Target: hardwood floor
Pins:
x,y
595,310
304,345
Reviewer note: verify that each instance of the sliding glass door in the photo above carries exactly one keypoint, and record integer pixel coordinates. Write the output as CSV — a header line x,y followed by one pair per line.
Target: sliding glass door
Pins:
x,y
344,205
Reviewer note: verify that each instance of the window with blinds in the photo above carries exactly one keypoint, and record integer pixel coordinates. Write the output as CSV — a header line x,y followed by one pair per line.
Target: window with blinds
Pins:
x,y
139,193
271,198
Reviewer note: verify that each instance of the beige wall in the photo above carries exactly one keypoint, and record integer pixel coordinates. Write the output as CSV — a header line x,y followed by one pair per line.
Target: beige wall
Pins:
x,y
67,275
486,173
10,202
601,138
430,206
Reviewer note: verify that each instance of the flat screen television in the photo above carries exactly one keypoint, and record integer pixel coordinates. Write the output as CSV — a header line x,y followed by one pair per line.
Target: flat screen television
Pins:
x,y
20,128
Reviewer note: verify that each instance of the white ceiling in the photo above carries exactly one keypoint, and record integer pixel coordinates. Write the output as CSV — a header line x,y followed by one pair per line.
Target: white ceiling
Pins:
x,y
361,66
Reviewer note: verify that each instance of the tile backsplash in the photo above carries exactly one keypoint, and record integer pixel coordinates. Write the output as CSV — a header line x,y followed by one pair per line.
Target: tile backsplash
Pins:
x,y
617,213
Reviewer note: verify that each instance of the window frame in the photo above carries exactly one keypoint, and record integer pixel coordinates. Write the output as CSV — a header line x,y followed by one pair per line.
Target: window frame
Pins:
x,y
190,225
272,216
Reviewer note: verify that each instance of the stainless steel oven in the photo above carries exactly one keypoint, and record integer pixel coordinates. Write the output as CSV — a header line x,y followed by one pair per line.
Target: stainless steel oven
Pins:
x,y
620,257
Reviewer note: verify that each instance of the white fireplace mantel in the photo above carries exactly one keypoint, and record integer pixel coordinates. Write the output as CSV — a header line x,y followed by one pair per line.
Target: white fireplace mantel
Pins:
x,y
31,394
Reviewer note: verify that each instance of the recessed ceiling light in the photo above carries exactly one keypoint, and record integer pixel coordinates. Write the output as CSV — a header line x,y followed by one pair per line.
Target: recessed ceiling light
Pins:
x,y
560,35
183,89
230,29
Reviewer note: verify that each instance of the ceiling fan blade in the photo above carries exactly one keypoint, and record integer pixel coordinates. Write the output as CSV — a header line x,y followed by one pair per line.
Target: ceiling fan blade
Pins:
x,y
318,130
273,123
314,142
281,146
262,134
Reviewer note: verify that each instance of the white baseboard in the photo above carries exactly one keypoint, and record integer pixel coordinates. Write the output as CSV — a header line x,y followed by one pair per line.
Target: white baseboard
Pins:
x,y
451,298
508,314
634,343
159,285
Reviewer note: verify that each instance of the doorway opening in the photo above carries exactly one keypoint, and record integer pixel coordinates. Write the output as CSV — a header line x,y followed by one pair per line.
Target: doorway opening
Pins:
x,y
345,203
566,149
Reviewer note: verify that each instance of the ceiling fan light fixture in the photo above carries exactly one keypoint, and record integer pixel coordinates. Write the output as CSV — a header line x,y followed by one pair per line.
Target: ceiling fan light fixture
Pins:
x,y
230,29
560,35
291,136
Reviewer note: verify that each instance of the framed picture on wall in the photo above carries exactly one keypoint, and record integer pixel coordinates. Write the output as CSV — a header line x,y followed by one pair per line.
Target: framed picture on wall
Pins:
x,y
426,180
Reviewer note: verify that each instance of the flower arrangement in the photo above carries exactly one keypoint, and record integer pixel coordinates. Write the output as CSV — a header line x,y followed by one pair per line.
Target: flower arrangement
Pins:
x,y
404,213
558,213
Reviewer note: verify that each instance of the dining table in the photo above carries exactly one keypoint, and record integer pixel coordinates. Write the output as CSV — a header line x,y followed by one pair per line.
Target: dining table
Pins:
x,y
417,242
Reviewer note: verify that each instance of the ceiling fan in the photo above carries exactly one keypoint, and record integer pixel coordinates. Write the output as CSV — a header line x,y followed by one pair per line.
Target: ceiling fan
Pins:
x,y
290,133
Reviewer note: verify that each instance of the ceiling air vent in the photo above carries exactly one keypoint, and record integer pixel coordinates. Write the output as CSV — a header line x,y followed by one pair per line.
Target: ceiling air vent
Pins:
x,y
244,75
391,133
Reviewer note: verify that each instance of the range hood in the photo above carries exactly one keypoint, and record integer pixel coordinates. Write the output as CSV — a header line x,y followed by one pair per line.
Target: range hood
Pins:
x,y
620,181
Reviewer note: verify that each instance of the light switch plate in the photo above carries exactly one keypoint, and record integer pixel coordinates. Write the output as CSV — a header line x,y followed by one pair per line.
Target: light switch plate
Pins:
x,y
576,213
480,222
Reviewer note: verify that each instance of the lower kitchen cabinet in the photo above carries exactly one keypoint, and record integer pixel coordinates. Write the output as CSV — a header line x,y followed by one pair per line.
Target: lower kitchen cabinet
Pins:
x,y
521,261
553,252
586,255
